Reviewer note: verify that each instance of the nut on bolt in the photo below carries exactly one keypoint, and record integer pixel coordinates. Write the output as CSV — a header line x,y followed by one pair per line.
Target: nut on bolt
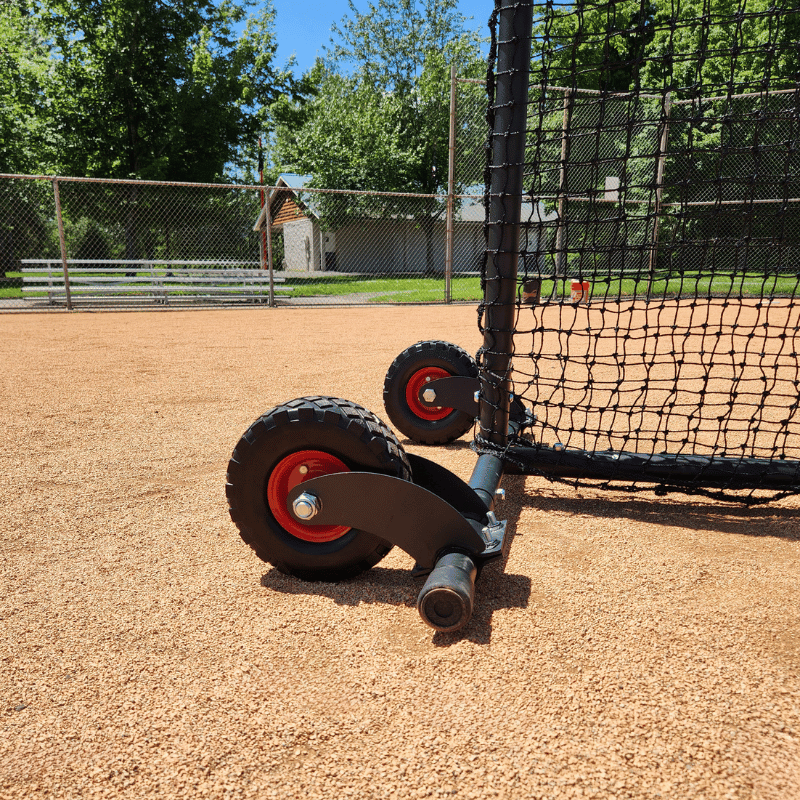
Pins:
x,y
429,396
306,506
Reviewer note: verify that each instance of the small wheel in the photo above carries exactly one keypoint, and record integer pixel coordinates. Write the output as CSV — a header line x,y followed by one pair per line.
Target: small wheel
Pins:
x,y
410,371
297,441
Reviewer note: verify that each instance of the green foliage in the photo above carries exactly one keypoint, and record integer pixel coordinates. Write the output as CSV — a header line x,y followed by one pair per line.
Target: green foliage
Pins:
x,y
27,144
737,47
92,240
593,46
379,118
159,89
709,48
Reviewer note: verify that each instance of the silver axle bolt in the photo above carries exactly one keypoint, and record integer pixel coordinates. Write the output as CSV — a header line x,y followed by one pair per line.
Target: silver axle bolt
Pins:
x,y
429,395
307,506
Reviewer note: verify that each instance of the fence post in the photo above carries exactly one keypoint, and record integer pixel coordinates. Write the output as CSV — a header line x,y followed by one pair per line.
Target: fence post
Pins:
x,y
62,244
561,256
451,179
662,157
268,227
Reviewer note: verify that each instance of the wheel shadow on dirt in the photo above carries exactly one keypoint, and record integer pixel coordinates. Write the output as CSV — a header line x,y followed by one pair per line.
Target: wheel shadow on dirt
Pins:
x,y
699,515
494,591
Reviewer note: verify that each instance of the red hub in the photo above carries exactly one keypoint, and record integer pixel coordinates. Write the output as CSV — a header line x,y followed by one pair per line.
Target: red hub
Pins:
x,y
291,471
415,384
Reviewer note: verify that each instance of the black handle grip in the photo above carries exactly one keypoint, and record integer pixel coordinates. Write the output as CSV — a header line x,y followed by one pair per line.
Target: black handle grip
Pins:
x,y
446,599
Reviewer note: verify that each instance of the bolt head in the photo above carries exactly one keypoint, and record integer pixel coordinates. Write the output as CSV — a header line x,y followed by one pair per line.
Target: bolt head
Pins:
x,y
306,506
429,395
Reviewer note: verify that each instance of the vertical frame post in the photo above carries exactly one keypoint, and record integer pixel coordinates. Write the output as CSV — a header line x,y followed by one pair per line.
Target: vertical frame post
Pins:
x,y
451,180
561,255
62,243
515,18
662,157
268,233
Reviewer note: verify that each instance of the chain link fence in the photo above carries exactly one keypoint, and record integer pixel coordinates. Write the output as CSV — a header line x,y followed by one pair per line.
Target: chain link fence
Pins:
x,y
613,193
610,195
77,242
471,136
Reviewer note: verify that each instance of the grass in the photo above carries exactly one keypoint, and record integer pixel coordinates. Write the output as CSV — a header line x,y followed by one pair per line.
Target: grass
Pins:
x,y
383,290
377,290
468,289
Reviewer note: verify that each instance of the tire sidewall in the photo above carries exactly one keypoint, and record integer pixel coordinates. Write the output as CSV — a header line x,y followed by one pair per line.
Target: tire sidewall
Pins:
x,y
452,426
288,553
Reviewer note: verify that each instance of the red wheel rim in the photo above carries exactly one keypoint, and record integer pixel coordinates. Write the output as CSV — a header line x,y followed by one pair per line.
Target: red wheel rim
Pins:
x,y
295,469
413,388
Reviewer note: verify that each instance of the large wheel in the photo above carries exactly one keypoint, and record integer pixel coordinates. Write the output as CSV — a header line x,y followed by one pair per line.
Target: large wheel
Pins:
x,y
296,441
410,371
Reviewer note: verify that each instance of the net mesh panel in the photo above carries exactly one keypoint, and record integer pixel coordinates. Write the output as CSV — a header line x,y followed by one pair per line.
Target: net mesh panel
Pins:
x,y
657,280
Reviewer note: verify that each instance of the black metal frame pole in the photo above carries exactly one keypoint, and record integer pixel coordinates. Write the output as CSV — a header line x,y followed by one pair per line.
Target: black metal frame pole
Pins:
x,y
515,19
446,599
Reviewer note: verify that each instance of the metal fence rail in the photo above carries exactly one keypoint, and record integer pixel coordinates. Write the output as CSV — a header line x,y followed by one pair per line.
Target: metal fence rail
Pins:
x,y
602,196
324,246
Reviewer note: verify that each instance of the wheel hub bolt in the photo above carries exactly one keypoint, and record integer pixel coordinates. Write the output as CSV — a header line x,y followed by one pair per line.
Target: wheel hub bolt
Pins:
x,y
429,395
306,506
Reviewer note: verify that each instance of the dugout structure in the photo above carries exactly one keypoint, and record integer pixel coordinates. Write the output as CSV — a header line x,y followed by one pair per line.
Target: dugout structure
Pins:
x,y
658,344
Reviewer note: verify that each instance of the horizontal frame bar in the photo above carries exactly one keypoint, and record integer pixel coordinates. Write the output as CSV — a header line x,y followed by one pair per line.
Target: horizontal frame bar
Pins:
x,y
727,472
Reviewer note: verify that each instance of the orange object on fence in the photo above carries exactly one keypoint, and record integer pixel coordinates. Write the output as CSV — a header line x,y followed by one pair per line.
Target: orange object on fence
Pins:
x,y
580,292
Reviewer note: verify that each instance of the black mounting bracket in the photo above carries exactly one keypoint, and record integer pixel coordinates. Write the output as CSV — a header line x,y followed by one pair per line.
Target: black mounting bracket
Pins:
x,y
455,392
436,514
459,392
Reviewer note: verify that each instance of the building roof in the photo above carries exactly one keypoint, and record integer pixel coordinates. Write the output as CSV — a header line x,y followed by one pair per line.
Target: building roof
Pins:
x,y
293,181
468,209
471,209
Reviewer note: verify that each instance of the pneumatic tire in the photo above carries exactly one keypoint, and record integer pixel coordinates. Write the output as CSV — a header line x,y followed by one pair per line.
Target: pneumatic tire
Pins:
x,y
426,361
296,441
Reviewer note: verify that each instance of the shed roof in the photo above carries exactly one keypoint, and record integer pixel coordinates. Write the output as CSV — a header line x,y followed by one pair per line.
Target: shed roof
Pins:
x,y
468,209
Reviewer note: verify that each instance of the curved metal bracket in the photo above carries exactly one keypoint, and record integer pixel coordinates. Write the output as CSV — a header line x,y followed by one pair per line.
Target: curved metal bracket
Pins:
x,y
403,513
449,487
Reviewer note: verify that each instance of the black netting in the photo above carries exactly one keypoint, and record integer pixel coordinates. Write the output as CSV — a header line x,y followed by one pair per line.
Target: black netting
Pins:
x,y
654,313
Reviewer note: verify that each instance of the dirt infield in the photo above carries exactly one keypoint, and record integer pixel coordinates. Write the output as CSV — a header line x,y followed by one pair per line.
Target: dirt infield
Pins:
x,y
634,647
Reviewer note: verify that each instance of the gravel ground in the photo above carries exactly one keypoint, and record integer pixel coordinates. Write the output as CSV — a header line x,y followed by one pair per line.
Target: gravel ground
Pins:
x,y
633,647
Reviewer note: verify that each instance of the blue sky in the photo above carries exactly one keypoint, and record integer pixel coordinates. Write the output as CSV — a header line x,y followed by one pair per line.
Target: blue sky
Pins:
x,y
303,28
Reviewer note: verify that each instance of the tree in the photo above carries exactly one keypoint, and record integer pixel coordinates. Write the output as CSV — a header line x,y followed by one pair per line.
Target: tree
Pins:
x,y
26,144
591,45
160,89
707,51
380,116
155,89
